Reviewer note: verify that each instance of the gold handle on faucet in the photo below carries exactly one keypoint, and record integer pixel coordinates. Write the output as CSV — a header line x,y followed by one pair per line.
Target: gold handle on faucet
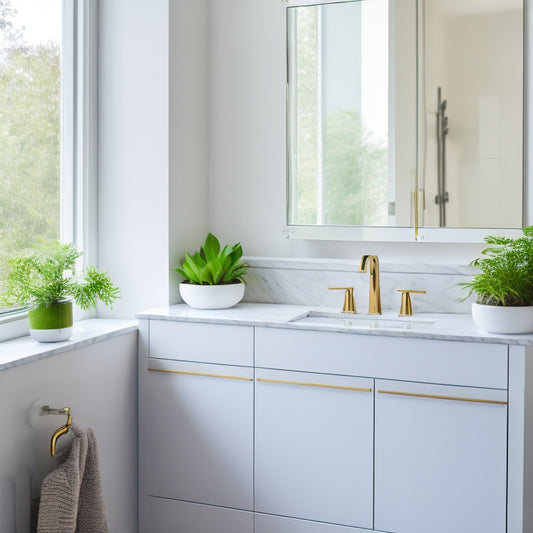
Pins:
x,y
349,299
406,308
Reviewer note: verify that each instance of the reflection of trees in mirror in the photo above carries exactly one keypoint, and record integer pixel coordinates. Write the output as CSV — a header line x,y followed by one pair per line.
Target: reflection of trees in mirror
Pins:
x,y
355,175
307,111
352,163
30,90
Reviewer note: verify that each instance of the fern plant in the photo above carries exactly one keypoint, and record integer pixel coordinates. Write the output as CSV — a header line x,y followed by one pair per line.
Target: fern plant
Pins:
x,y
49,276
214,266
506,277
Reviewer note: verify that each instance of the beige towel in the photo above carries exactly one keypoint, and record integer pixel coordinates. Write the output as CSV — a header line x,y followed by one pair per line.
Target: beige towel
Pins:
x,y
71,495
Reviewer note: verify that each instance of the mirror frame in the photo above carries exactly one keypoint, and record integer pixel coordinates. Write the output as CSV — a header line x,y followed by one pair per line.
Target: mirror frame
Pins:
x,y
426,234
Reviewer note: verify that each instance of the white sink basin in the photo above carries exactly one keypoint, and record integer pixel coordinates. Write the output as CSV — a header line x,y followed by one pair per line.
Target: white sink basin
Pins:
x,y
360,321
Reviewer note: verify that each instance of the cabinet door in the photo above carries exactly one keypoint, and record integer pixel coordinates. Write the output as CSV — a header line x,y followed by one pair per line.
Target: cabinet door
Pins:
x,y
159,515
197,433
280,524
314,447
440,458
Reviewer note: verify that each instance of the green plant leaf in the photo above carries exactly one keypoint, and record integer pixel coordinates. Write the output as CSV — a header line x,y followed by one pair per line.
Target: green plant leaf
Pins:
x,y
191,267
213,265
211,247
528,231
506,276
198,260
189,274
49,275
236,252
205,276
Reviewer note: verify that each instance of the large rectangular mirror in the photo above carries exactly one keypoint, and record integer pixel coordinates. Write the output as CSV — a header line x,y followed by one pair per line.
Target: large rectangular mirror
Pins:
x,y
406,113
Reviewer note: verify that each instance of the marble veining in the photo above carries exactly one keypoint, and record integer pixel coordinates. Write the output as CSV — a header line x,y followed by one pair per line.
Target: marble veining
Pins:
x,y
24,350
439,326
306,282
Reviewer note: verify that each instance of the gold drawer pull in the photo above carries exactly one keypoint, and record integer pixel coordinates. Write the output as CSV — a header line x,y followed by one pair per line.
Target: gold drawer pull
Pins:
x,y
199,374
314,385
437,397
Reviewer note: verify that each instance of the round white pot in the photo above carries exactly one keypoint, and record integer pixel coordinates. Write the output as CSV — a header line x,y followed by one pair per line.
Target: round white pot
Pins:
x,y
52,335
500,319
212,296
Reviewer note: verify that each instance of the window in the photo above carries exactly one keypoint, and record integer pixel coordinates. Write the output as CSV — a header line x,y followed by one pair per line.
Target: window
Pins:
x,y
47,124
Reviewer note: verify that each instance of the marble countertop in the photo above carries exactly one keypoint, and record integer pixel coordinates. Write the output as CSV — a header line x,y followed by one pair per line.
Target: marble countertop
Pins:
x,y
24,350
448,326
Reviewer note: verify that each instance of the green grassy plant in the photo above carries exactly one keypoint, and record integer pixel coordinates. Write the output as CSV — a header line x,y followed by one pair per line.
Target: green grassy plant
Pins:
x,y
506,276
49,276
214,266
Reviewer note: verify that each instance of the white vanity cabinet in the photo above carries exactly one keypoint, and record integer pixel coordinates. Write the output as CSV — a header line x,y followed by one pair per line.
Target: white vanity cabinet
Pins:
x,y
160,515
264,429
441,458
314,440
196,428
438,420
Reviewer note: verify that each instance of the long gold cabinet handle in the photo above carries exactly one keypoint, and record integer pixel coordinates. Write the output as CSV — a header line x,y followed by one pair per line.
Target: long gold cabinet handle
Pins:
x,y
439,397
202,374
322,385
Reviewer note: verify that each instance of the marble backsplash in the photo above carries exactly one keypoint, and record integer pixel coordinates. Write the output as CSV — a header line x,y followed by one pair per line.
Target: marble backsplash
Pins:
x,y
306,282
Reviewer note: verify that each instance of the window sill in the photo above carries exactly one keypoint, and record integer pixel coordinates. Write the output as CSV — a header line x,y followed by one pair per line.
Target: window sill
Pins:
x,y
13,326
23,350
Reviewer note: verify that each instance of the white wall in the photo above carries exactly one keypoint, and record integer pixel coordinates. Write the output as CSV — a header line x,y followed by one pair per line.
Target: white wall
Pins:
x,y
133,229
153,142
247,124
99,383
189,142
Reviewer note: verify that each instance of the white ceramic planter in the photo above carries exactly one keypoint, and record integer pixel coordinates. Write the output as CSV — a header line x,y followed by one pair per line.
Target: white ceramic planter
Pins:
x,y
212,296
52,335
505,320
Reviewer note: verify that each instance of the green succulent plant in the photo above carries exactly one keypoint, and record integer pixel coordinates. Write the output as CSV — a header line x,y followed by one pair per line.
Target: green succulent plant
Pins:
x,y
49,276
506,276
214,266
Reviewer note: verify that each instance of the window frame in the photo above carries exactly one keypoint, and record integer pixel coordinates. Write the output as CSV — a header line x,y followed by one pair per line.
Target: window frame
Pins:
x,y
79,143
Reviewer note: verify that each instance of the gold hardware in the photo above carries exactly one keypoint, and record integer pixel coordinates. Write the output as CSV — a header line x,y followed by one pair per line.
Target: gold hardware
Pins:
x,y
349,300
313,385
406,308
374,295
438,397
415,199
46,410
202,374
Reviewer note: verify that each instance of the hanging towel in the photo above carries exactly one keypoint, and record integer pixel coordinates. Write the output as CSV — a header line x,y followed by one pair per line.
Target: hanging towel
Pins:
x,y
71,495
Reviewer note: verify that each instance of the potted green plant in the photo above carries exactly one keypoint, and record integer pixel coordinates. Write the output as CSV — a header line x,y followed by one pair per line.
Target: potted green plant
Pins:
x,y
47,281
504,287
213,276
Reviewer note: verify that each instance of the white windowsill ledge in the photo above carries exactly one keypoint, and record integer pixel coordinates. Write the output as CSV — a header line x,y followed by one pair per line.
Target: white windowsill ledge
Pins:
x,y
24,350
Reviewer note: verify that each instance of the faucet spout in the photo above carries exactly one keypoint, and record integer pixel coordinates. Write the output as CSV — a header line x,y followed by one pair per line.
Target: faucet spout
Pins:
x,y
374,295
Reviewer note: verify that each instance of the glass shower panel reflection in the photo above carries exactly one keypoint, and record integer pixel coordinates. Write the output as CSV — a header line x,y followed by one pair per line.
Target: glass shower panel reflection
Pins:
x,y
473,57
338,114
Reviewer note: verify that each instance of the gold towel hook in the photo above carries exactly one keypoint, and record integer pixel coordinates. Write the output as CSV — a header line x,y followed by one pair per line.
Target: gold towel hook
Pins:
x,y
46,410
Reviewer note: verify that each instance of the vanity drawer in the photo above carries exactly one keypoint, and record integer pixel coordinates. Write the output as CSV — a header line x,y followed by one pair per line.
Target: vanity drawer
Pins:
x,y
432,361
207,343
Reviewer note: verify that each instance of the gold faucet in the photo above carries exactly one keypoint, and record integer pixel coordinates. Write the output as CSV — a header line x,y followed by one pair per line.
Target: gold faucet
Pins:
x,y
374,296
